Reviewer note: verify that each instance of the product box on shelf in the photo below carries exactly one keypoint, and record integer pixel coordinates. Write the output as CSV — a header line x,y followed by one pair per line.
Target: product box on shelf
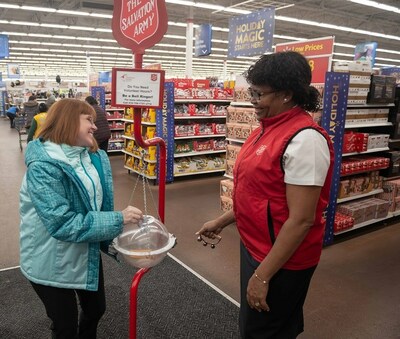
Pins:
x,y
376,140
223,94
201,83
203,93
226,204
232,151
382,89
342,222
218,110
183,146
354,142
181,110
230,164
219,144
184,130
202,145
149,115
226,188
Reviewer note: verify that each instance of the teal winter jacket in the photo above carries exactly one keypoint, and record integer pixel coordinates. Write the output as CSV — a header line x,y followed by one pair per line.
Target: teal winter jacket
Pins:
x,y
60,233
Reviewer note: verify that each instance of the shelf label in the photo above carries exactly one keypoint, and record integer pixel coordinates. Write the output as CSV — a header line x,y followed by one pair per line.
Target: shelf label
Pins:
x,y
137,88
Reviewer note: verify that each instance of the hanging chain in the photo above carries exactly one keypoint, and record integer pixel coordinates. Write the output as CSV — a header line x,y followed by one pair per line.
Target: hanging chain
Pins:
x,y
145,182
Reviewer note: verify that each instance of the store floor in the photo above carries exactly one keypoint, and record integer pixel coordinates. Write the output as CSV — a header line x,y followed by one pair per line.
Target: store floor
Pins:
x,y
355,292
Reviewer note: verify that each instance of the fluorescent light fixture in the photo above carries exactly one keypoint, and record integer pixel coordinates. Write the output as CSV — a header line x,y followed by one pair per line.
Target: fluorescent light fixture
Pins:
x,y
24,23
38,9
63,11
378,5
54,26
99,15
9,6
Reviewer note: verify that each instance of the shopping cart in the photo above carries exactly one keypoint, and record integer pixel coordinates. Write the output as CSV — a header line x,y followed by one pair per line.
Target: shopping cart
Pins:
x,y
19,124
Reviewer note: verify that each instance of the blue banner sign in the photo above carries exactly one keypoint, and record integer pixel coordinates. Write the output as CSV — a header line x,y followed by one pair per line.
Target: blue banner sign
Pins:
x,y
99,93
202,44
333,121
251,34
4,48
165,129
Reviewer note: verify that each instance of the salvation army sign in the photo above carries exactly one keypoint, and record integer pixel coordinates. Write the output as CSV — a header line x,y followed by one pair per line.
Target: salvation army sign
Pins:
x,y
139,24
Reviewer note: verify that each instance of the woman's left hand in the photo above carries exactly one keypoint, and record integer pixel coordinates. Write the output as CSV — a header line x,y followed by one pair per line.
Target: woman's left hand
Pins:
x,y
257,294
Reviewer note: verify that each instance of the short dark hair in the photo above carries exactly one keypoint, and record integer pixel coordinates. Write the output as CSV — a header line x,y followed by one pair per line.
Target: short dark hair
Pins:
x,y
42,107
32,97
286,71
91,101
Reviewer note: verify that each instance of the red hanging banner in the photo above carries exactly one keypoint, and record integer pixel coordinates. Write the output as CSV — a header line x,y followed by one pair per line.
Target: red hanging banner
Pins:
x,y
139,24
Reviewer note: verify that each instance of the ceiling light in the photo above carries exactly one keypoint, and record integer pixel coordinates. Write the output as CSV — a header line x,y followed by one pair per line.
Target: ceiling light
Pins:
x,y
378,5
38,9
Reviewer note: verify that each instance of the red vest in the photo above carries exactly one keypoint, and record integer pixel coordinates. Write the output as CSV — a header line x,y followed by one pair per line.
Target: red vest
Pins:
x,y
259,197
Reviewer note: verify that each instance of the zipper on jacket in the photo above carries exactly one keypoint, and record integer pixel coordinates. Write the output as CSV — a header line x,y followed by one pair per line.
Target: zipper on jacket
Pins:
x,y
91,180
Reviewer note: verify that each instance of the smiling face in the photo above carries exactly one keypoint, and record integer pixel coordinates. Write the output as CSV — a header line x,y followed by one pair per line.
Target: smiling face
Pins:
x,y
268,102
86,129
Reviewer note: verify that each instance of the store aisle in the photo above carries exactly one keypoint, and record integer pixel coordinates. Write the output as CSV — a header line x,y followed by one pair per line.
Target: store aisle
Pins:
x,y
355,292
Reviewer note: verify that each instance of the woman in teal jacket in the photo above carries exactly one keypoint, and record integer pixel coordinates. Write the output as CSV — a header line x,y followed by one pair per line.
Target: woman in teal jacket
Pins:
x,y
67,217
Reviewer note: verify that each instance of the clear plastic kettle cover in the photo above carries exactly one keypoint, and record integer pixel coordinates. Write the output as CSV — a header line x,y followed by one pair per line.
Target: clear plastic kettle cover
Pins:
x,y
146,243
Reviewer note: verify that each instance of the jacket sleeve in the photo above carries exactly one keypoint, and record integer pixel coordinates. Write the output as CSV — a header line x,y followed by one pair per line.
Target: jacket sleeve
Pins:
x,y
32,130
56,202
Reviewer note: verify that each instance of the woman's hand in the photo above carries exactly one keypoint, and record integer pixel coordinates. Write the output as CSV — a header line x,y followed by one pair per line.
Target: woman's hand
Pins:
x,y
210,229
257,294
132,215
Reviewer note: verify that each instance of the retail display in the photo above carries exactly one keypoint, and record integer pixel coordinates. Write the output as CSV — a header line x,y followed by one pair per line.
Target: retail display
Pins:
x,y
115,120
137,159
199,127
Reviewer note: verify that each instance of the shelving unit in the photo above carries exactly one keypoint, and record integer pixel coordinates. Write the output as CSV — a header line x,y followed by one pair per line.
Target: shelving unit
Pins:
x,y
368,126
204,123
139,160
115,121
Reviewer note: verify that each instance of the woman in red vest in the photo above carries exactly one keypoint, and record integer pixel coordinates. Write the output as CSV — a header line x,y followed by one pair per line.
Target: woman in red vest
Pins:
x,y
282,178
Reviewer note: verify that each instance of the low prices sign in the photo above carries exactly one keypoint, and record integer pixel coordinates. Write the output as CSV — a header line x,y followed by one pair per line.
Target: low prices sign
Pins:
x,y
139,24
137,88
318,52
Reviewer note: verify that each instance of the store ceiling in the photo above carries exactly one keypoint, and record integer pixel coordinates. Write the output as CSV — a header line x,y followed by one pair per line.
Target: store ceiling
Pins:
x,y
43,51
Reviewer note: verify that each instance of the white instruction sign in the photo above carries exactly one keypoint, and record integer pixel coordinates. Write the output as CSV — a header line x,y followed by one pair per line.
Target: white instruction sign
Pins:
x,y
137,88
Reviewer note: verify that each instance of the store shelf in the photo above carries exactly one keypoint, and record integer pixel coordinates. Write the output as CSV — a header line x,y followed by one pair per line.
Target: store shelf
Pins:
x,y
359,196
190,154
114,119
114,150
373,150
240,141
368,125
200,101
197,117
143,123
201,136
362,171
364,224
138,156
198,172
370,105
140,173
241,103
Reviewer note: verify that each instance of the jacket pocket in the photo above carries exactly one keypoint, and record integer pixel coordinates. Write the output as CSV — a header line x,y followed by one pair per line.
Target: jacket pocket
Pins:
x,y
270,224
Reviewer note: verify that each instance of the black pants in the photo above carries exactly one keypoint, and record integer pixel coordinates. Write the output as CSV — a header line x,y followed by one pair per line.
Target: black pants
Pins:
x,y
11,117
286,295
62,308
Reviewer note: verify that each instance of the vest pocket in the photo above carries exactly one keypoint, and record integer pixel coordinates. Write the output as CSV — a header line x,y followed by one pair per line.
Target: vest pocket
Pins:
x,y
270,224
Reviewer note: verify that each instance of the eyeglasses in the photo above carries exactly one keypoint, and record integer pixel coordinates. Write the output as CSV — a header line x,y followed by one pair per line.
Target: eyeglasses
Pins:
x,y
257,95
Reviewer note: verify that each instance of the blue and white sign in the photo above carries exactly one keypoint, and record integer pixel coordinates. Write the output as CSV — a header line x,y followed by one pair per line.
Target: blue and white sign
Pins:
x,y
4,48
99,93
104,77
251,34
366,51
333,121
202,43
13,71
165,130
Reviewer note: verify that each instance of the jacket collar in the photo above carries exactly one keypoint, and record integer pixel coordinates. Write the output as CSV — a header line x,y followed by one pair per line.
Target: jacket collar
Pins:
x,y
281,117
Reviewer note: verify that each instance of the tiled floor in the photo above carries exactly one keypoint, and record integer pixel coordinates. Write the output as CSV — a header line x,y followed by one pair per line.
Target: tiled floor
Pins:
x,y
355,292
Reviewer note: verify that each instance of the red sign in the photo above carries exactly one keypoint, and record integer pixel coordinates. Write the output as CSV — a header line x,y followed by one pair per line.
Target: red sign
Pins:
x,y
318,53
322,46
139,24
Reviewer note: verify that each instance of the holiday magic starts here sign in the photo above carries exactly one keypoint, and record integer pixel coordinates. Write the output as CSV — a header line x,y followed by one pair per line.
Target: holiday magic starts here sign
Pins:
x,y
139,24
